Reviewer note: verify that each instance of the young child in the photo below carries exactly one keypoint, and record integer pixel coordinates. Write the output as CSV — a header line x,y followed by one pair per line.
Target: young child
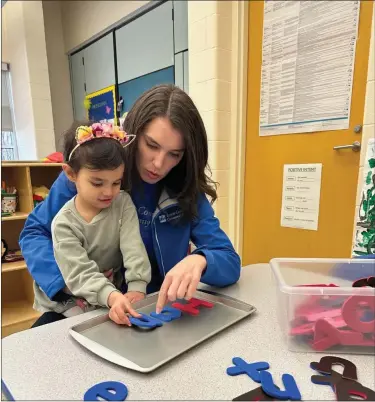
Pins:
x,y
97,230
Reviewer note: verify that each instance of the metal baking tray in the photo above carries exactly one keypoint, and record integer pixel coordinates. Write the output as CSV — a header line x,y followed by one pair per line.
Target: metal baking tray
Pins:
x,y
145,350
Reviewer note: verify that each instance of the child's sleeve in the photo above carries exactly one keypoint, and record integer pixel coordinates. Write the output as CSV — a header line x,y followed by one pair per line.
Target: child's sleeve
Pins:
x,y
136,263
81,274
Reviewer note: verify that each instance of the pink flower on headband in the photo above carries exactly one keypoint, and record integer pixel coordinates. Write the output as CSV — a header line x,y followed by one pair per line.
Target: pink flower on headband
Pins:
x,y
97,129
107,127
107,130
102,130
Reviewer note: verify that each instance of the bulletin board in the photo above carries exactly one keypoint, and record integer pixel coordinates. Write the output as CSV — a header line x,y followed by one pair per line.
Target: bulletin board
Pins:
x,y
101,105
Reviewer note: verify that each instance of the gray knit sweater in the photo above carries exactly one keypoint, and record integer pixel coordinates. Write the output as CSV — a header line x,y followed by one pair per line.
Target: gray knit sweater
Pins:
x,y
85,251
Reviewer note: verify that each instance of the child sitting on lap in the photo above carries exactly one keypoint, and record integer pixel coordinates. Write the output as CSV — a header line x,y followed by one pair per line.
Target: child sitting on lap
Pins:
x,y
98,230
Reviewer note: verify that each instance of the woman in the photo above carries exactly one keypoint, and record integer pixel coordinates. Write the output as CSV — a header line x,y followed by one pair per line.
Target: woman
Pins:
x,y
165,174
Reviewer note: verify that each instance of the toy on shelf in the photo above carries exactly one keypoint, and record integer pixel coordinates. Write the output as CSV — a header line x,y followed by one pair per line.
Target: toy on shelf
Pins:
x,y
9,255
55,157
8,199
4,249
39,194
12,256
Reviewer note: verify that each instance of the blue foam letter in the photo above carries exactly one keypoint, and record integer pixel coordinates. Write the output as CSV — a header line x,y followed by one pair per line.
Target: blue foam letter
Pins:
x,y
291,390
145,321
102,390
251,369
167,314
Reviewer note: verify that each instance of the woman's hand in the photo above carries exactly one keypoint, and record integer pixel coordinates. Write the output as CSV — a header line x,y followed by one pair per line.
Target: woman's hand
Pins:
x,y
182,280
134,296
120,305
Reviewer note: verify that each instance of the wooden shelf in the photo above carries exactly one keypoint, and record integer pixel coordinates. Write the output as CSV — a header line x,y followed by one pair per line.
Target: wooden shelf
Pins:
x,y
17,312
16,216
17,294
13,266
29,164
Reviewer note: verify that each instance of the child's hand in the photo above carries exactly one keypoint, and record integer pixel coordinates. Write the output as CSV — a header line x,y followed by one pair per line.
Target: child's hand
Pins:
x,y
134,296
120,305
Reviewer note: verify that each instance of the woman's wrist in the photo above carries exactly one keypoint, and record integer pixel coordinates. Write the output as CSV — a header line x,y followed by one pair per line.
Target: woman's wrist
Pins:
x,y
201,261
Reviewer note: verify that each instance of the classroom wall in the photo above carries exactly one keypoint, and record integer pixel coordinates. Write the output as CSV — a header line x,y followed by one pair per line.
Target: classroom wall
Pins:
x,y
218,41
4,40
83,19
25,50
58,69
42,95
210,45
368,122
213,44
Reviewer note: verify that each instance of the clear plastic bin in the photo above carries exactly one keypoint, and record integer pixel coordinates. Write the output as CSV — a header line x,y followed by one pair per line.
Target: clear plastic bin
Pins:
x,y
329,314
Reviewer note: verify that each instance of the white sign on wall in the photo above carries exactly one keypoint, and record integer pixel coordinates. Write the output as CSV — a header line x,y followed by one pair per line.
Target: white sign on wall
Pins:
x,y
301,196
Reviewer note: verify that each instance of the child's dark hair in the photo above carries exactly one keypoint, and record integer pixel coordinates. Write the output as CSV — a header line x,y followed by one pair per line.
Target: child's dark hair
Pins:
x,y
97,154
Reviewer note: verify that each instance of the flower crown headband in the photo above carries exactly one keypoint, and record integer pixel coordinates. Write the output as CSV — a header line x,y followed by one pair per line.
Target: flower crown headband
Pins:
x,y
101,130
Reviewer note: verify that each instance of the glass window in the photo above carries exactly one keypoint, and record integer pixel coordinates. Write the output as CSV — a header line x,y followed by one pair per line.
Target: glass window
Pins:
x,y
9,150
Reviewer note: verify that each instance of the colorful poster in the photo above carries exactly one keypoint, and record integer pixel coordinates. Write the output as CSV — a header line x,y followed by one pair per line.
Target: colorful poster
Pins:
x,y
365,227
102,105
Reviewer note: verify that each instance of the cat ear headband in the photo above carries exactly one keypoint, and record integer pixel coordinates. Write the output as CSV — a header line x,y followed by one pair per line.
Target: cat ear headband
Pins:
x,y
101,130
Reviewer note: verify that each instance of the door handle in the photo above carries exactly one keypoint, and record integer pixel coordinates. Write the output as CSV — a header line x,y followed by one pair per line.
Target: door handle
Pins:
x,y
355,147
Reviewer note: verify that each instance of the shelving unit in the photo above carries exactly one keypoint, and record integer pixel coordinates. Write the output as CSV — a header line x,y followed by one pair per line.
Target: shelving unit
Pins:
x,y
13,266
15,217
17,295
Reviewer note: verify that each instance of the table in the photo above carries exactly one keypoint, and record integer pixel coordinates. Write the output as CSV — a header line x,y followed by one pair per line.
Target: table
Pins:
x,y
46,363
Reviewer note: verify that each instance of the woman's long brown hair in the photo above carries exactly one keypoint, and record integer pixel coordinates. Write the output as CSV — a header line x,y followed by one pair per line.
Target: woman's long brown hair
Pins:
x,y
189,178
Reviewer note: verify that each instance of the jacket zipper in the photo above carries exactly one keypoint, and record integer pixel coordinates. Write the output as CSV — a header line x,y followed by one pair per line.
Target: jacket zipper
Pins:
x,y
157,242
